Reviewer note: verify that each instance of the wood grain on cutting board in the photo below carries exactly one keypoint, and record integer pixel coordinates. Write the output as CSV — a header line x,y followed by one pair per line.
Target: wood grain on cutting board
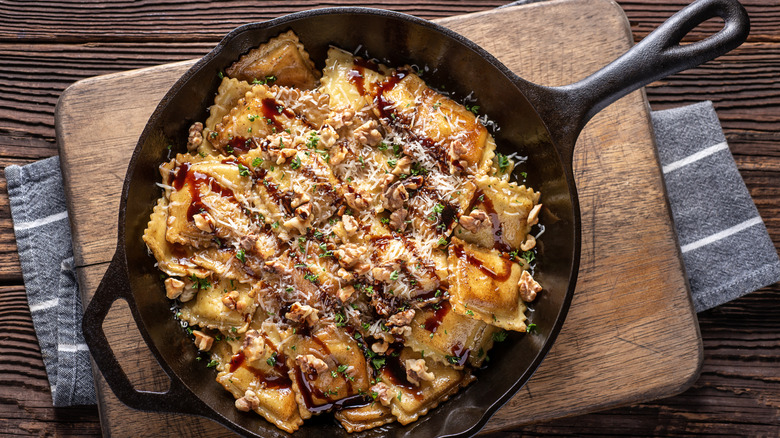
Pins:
x,y
631,333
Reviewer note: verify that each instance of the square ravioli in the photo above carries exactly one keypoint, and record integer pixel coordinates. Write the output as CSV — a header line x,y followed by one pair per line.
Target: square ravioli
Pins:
x,y
485,286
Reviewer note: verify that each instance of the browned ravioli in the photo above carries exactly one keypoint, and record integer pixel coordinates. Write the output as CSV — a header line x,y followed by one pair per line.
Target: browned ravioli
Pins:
x,y
342,242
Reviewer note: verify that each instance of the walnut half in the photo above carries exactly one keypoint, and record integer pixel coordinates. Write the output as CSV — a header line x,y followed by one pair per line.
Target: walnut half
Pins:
x,y
528,287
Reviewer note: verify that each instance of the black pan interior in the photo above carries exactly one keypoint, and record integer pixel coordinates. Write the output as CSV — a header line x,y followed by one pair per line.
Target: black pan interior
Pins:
x,y
457,66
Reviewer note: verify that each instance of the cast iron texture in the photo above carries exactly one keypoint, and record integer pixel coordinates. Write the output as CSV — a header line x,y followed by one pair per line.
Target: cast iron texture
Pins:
x,y
539,122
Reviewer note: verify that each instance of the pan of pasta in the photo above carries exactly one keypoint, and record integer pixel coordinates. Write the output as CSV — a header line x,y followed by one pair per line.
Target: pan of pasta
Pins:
x,y
356,222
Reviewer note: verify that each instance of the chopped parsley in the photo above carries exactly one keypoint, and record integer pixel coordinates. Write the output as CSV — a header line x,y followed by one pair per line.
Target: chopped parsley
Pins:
x,y
271,361
378,362
529,256
438,208
296,163
200,283
313,140
532,328
394,275
500,336
243,170
213,363
257,161
241,255
503,162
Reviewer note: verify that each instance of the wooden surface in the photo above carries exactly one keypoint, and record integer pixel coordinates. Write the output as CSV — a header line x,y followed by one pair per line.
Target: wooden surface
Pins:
x,y
628,241
47,46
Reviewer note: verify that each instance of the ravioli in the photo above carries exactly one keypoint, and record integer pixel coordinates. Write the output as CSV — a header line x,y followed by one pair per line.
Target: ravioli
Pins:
x,y
344,242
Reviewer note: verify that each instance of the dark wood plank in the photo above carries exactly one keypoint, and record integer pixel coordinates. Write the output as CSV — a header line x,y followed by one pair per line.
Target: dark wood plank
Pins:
x,y
119,20
648,15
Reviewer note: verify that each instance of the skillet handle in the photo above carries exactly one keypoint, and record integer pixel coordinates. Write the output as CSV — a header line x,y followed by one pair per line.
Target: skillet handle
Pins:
x,y
658,55
116,285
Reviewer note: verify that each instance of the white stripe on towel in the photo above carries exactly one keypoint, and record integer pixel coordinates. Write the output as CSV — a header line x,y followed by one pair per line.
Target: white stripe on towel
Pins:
x,y
721,234
72,347
38,222
48,304
694,157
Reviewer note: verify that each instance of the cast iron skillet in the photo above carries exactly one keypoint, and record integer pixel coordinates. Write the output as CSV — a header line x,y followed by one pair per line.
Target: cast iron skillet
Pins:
x,y
540,122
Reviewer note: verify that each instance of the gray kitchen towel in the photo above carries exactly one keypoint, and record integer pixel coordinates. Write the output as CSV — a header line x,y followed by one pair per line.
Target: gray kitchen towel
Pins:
x,y
726,249
43,239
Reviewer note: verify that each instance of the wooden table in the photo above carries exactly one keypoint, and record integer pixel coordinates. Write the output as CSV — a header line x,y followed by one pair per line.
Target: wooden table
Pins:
x,y
47,47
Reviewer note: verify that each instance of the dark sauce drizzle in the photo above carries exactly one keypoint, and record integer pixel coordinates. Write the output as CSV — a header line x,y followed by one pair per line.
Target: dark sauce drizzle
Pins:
x,y
194,180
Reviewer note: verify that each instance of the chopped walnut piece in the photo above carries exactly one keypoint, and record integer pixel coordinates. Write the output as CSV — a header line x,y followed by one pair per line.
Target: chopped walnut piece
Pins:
x,y
310,363
381,392
195,136
380,347
361,268
301,197
349,254
248,402
277,267
253,346
457,151
417,371
202,340
189,292
350,224
204,222
230,299
304,211
368,134
173,288
340,118
381,274
475,221
302,313
345,293
528,287
281,155
398,220
529,243
533,216
248,242
328,136
345,275
355,201
401,318
395,196
296,223
337,155
403,166
403,331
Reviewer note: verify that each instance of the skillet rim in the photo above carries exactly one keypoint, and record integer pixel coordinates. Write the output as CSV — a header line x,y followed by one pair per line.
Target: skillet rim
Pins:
x,y
523,86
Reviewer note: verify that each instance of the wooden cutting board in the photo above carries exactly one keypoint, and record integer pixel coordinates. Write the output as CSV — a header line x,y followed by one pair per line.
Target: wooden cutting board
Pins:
x,y
631,334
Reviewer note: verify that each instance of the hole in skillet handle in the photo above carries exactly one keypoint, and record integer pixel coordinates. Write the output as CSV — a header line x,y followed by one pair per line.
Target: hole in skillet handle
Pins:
x,y
565,110
115,286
